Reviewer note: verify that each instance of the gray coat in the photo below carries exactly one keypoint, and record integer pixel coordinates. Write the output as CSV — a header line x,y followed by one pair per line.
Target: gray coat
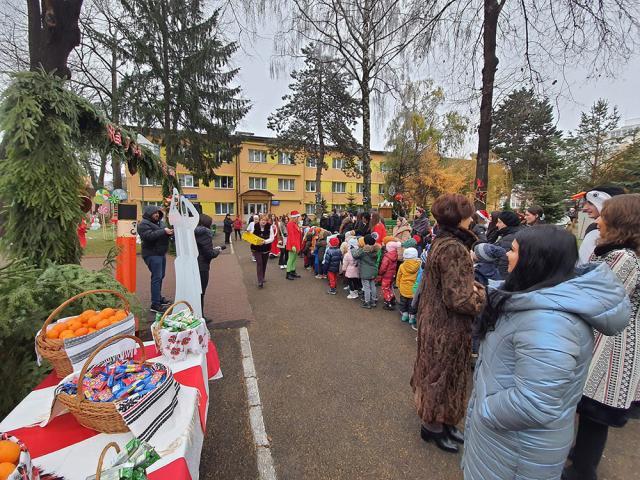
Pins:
x,y
530,374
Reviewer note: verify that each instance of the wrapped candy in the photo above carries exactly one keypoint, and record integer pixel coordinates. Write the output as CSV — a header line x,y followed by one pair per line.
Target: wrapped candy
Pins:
x,y
131,462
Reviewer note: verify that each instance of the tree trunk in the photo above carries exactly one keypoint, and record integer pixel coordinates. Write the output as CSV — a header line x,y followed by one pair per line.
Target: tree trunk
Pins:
x,y
366,144
490,29
321,152
53,33
103,170
115,117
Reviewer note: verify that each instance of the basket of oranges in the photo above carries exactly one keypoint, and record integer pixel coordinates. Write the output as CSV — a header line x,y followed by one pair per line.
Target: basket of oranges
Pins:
x,y
67,342
15,461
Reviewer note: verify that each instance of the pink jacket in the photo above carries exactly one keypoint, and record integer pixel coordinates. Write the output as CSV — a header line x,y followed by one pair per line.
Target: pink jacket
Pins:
x,y
350,266
388,264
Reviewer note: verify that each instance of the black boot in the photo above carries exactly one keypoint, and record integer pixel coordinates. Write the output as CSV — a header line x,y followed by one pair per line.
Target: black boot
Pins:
x,y
454,434
294,274
441,439
290,277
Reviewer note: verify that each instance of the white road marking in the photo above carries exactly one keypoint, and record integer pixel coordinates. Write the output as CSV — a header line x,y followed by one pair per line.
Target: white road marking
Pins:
x,y
233,252
266,470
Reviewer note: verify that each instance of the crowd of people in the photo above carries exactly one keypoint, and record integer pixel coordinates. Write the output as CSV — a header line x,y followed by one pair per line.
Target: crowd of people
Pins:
x,y
553,327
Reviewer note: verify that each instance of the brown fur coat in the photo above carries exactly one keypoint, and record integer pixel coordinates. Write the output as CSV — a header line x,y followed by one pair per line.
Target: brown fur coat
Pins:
x,y
448,304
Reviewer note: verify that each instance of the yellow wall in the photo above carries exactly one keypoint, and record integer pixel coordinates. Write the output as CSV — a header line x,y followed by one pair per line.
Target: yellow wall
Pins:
x,y
243,169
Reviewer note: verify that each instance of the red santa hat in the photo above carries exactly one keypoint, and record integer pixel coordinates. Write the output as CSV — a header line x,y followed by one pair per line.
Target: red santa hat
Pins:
x,y
294,214
484,215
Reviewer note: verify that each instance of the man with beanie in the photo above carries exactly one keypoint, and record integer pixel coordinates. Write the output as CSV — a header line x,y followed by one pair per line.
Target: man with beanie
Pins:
x,y
508,226
332,259
294,244
593,206
155,243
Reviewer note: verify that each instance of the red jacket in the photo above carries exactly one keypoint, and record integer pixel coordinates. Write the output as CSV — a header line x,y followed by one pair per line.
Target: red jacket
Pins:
x,y
381,230
294,236
237,224
388,264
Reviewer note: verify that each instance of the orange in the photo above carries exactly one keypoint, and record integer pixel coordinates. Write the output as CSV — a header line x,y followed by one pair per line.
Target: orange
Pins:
x,y
121,315
53,333
74,325
6,469
102,324
66,334
89,313
93,321
9,451
60,326
81,331
91,330
108,311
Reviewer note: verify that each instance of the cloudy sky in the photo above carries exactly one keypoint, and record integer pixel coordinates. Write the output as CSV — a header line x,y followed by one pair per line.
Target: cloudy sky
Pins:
x,y
266,92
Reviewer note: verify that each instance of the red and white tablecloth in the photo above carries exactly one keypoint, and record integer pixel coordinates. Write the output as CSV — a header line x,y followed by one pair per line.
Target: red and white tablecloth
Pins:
x,y
65,449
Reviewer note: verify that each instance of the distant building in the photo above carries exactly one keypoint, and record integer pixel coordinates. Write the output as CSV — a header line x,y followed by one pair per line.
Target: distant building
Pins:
x,y
628,132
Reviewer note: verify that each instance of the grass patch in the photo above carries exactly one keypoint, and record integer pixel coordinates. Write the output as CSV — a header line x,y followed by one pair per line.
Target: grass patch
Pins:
x,y
97,246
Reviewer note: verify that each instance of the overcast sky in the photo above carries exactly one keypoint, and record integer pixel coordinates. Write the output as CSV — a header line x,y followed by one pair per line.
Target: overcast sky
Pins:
x,y
265,93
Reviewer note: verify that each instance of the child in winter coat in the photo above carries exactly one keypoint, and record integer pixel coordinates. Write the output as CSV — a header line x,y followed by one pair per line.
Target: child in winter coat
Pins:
x,y
332,259
350,268
387,271
306,247
321,247
407,274
488,256
367,255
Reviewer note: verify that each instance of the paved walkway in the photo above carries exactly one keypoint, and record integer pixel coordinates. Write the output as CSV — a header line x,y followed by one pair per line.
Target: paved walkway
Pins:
x,y
334,383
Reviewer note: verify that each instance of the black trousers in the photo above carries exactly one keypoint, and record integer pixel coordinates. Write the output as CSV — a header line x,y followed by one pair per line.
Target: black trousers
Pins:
x,y
284,256
204,281
227,237
587,451
238,234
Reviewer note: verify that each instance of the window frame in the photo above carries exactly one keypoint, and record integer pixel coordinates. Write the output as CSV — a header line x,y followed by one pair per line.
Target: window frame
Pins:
x,y
334,184
263,181
359,187
287,156
289,181
229,210
152,184
311,162
263,155
217,182
382,189
309,182
336,161
182,180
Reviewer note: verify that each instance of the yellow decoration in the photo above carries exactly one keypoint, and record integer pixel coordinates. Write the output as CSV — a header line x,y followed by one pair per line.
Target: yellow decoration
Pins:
x,y
252,239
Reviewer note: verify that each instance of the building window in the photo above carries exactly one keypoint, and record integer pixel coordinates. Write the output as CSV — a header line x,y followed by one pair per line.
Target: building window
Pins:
x,y
223,182
148,182
338,187
338,207
258,156
286,184
312,162
310,186
359,187
285,158
152,203
187,180
338,163
310,208
255,208
223,208
257,183
382,189
359,166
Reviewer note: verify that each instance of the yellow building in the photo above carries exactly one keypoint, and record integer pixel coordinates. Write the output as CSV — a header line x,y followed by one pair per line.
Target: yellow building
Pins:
x,y
257,181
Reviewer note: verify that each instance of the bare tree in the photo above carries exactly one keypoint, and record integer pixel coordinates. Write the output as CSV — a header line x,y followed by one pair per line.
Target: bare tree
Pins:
x,y
370,37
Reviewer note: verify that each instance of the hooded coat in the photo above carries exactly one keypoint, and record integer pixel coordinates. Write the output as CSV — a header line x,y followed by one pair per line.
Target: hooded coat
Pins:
x,y
332,259
155,241
206,252
367,257
407,274
389,262
530,374
402,232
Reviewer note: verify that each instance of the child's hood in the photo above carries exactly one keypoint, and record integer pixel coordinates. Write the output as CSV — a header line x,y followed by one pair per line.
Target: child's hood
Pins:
x,y
371,248
411,266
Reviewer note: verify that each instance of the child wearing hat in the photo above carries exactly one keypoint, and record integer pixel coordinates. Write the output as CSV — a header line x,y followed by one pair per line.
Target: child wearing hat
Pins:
x,y
332,259
350,268
367,255
407,274
487,257
387,271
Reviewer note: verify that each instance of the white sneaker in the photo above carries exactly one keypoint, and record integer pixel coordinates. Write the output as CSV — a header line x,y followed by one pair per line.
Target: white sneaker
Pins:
x,y
282,267
253,259
347,287
352,295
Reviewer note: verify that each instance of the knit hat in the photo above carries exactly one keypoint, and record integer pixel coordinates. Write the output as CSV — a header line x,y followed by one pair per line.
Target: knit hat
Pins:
x,y
509,218
489,253
294,214
369,239
410,253
409,243
597,198
483,214
392,246
353,242
334,241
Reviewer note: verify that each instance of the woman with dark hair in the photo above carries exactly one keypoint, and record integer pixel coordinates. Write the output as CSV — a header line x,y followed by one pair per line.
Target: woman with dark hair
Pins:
x,y
614,376
376,225
362,224
534,215
449,300
536,347
227,228
206,252
266,231
492,228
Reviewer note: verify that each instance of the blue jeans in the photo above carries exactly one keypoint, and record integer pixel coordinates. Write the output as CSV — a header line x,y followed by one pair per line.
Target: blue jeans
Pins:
x,y
157,265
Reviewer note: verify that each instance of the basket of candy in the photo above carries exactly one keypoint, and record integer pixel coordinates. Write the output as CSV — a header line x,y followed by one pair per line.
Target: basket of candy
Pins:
x,y
15,460
70,337
180,333
95,395
252,238
130,463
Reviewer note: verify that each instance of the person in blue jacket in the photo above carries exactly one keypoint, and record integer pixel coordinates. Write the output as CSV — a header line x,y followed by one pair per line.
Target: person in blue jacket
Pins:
x,y
537,343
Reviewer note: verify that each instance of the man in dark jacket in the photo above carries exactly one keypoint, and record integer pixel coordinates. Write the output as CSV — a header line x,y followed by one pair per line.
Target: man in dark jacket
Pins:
x,y
206,252
334,221
155,243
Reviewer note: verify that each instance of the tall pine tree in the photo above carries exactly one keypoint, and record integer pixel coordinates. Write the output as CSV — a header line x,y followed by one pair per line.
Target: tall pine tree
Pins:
x,y
318,116
180,82
525,138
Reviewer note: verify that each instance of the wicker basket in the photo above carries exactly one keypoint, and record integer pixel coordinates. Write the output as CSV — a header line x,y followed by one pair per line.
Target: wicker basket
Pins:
x,y
157,326
100,416
52,349
102,455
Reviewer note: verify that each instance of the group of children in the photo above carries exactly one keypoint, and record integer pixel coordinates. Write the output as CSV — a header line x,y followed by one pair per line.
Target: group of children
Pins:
x,y
366,262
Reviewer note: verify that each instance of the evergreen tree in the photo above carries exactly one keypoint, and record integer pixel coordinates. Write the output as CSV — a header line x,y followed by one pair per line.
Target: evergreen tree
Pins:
x,y
351,202
624,168
180,82
592,145
318,116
